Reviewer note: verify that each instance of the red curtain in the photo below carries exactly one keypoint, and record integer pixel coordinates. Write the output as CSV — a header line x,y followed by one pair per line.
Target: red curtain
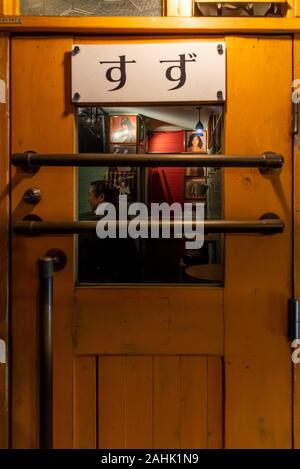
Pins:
x,y
166,184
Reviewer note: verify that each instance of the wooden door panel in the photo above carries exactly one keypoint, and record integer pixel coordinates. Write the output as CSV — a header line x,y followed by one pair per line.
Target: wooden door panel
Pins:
x,y
127,355
148,402
258,269
125,402
85,402
159,320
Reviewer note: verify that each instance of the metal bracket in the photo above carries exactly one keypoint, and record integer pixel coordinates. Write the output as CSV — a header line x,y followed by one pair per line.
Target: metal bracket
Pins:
x,y
28,168
295,119
32,218
59,258
268,216
267,170
293,312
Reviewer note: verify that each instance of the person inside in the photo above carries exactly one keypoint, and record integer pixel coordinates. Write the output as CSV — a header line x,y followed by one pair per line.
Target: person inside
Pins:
x,y
105,260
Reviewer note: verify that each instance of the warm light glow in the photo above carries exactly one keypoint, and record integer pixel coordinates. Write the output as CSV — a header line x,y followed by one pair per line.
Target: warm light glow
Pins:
x,y
180,7
199,126
10,7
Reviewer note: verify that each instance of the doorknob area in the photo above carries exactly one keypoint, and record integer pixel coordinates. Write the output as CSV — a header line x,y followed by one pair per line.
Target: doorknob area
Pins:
x,y
32,196
58,257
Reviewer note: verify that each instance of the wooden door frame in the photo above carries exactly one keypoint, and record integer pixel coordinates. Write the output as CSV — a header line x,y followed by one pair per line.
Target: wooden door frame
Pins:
x,y
156,25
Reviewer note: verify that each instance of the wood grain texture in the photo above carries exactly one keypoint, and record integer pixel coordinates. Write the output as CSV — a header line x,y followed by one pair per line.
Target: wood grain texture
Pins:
x,y
179,7
215,402
85,403
153,25
125,402
9,7
296,8
4,234
160,320
167,408
194,402
159,402
258,269
139,406
112,382
292,8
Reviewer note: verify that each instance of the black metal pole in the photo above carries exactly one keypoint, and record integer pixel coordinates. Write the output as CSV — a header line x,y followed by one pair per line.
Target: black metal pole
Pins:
x,y
31,161
46,273
263,226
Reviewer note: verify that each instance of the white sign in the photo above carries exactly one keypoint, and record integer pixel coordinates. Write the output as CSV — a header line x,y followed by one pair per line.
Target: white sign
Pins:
x,y
149,73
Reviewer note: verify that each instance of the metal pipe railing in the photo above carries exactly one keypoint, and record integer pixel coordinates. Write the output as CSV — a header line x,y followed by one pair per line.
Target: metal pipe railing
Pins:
x,y
46,273
31,161
264,226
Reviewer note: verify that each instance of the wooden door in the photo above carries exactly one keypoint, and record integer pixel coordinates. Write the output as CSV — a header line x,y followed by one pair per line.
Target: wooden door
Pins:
x,y
168,367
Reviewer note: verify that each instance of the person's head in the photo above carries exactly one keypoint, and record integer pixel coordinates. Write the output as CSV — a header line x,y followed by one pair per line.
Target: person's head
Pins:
x,y
122,184
126,124
195,141
99,192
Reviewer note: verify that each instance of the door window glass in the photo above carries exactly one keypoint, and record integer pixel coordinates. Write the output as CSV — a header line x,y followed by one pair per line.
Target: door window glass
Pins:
x,y
149,130
92,7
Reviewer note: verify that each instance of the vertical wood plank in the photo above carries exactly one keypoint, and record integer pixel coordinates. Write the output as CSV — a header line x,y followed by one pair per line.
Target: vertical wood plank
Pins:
x,y
296,9
139,402
194,396
214,403
167,392
258,269
10,7
85,403
40,85
111,399
4,230
160,402
179,7
292,8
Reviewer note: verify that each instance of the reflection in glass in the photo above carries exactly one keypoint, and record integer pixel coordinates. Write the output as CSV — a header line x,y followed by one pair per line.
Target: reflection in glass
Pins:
x,y
154,130
239,9
91,7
